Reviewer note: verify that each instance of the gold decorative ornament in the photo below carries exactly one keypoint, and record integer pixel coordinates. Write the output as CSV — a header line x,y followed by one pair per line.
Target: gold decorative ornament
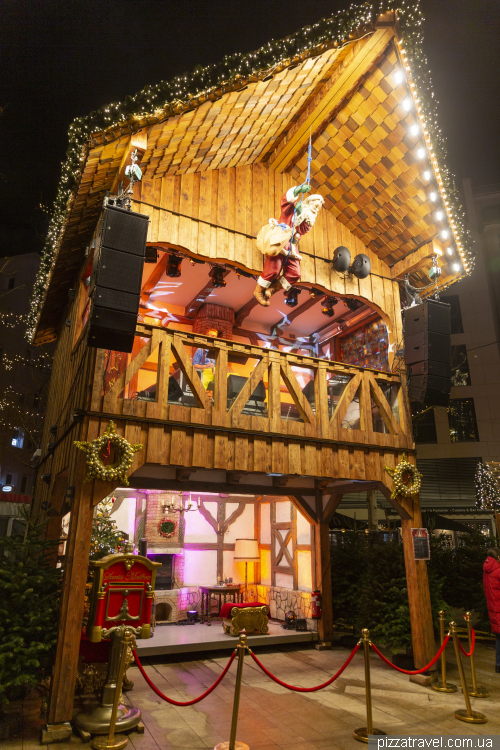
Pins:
x,y
124,452
407,480
251,619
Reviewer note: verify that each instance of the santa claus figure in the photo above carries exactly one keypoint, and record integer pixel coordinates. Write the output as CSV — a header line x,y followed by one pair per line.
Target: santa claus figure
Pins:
x,y
283,270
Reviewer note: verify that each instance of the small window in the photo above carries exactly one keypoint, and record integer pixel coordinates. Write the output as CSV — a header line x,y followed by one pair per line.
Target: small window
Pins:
x,y
24,482
424,425
491,214
462,420
8,479
11,282
17,438
456,315
460,374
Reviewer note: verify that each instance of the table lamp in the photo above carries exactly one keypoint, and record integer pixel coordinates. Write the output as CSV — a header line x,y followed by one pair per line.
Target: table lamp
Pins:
x,y
246,550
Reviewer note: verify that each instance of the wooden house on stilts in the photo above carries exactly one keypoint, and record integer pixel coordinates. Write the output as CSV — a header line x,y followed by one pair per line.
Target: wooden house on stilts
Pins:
x,y
305,399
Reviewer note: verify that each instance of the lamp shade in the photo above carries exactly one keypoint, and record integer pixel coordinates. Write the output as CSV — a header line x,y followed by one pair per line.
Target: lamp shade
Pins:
x,y
246,550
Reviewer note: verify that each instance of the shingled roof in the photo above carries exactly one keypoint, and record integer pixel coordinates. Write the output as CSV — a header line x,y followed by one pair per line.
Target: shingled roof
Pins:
x,y
337,80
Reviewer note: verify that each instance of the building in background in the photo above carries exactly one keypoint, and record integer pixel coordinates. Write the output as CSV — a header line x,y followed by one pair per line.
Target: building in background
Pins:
x,y
24,372
451,441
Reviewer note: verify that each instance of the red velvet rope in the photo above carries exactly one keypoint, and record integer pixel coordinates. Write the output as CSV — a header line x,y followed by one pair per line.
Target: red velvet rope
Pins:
x,y
183,703
473,643
415,671
302,689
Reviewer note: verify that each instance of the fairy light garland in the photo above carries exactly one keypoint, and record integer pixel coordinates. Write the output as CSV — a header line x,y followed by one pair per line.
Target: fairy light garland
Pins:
x,y
169,98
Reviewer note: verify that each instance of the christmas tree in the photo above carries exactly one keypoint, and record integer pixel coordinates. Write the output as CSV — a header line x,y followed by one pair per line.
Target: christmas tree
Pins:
x,y
106,538
487,495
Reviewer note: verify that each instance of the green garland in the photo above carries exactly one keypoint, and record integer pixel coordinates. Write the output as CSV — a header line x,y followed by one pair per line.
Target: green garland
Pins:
x,y
125,455
167,528
168,98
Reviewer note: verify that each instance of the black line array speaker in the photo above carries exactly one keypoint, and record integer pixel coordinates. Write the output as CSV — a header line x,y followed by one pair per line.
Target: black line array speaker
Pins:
x,y
115,284
427,336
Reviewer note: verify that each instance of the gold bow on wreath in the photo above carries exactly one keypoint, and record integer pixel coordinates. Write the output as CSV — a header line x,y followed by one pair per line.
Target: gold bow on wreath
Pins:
x,y
124,451
407,480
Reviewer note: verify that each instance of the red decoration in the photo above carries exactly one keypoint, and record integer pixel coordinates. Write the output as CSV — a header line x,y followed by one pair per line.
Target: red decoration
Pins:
x,y
167,528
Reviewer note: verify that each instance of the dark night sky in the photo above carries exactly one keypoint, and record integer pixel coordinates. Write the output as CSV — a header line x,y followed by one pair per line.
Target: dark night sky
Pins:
x,y
63,58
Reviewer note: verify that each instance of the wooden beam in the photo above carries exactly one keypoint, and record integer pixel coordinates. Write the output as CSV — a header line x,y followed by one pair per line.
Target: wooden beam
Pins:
x,y
358,66
303,307
331,506
262,490
245,311
307,510
199,299
415,259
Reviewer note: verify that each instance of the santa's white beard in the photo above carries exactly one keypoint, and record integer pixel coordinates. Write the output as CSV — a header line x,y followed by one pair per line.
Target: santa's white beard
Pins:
x,y
308,215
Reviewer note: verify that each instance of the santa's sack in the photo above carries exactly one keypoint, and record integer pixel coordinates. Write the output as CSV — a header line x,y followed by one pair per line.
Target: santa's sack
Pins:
x,y
272,238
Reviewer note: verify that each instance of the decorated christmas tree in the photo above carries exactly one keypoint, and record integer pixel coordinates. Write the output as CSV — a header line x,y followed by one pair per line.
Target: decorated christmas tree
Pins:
x,y
106,538
487,495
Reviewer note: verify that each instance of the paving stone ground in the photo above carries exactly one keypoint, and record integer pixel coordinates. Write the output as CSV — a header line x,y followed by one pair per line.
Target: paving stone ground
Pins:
x,y
273,718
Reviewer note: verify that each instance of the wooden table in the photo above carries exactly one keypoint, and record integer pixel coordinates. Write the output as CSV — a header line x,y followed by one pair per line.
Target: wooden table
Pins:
x,y
225,593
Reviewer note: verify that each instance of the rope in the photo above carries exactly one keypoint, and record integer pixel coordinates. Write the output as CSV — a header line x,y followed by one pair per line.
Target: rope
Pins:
x,y
415,671
183,703
472,645
302,689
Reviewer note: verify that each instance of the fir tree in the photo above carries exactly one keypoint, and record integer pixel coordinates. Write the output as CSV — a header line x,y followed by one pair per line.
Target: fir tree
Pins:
x,y
487,495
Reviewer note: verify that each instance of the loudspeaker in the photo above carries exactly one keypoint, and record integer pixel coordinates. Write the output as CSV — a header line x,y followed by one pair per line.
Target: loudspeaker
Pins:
x,y
115,269
123,230
116,279
106,338
432,389
429,367
427,345
429,316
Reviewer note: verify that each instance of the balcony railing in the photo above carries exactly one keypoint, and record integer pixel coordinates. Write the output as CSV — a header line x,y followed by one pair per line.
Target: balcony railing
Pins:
x,y
184,377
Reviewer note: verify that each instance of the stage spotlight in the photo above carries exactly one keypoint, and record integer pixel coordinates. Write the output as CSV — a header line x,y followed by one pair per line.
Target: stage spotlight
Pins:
x,y
353,304
151,255
315,293
291,297
174,266
361,266
218,277
341,259
328,305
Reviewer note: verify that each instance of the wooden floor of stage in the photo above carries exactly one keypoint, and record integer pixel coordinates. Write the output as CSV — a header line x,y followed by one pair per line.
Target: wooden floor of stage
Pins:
x,y
181,639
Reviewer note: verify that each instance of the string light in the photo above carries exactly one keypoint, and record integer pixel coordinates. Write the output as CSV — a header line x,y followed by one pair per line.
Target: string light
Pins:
x,y
209,83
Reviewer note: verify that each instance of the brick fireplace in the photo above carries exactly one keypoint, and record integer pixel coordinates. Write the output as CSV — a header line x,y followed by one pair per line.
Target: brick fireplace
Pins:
x,y
212,317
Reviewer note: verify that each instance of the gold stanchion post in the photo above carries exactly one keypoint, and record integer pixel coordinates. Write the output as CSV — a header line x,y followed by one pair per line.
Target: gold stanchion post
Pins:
x,y
441,685
474,690
470,716
363,733
233,744
112,742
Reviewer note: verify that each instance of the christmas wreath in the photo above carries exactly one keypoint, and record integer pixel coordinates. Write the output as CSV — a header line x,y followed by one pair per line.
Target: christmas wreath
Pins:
x,y
407,480
124,454
167,528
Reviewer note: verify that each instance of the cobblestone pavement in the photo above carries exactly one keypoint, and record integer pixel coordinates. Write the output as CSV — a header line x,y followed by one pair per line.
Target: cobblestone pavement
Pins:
x,y
273,718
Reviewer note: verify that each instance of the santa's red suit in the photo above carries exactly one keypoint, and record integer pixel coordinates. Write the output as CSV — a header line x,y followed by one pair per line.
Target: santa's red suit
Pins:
x,y
273,265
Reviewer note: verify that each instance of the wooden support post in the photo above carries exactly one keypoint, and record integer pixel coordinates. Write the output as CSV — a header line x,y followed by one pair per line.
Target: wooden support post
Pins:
x,y
62,691
371,497
324,582
422,631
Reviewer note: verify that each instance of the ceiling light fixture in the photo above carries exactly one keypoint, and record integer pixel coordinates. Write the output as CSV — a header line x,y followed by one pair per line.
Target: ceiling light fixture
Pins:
x,y
444,234
439,215
427,175
174,266
398,76
328,305
414,129
406,104
291,297
218,277
432,196
421,153
449,250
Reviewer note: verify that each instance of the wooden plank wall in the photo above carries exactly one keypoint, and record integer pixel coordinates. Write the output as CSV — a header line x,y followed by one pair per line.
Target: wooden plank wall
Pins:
x,y
217,213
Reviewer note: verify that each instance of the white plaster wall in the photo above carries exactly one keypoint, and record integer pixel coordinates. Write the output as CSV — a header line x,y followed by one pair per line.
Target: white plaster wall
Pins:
x,y
197,529
304,570
284,580
200,567
124,517
243,527
283,511
265,523
303,529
